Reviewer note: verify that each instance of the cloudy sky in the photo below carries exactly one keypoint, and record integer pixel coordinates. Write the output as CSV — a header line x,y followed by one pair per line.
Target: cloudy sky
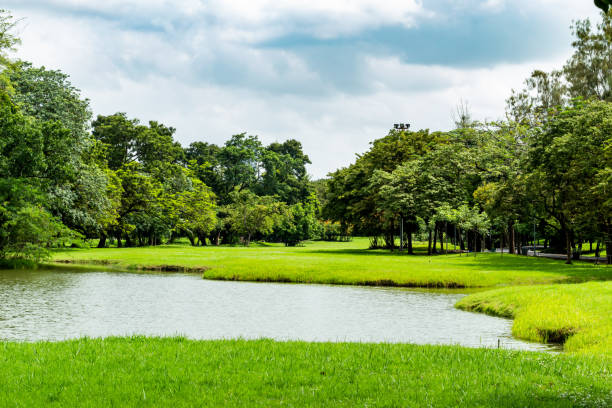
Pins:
x,y
334,74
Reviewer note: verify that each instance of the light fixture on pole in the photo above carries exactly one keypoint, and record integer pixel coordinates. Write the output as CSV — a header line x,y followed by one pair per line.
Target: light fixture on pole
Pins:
x,y
401,127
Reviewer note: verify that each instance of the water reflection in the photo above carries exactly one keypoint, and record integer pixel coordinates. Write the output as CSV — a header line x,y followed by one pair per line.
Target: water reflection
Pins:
x,y
36,305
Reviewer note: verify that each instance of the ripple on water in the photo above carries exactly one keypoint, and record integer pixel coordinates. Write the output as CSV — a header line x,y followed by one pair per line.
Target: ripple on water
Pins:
x,y
44,305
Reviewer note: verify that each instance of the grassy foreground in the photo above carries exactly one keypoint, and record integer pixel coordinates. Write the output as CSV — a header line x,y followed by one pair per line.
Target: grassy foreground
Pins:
x,y
344,263
177,372
579,315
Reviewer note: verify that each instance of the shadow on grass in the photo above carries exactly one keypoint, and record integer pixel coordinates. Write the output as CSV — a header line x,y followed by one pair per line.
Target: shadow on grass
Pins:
x,y
367,252
578,272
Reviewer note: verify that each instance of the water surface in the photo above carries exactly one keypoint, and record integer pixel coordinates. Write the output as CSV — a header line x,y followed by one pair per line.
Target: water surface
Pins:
x,y
57,305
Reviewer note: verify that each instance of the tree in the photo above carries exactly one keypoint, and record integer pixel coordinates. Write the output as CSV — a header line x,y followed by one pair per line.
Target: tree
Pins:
x,y
28,232
140,200
250,214
543,92
285,174
196,212
239,164
567,162
34,156
118,135
298,223
48,95
8,40
589,70
156,149
349,197
587,73
203,160
604,4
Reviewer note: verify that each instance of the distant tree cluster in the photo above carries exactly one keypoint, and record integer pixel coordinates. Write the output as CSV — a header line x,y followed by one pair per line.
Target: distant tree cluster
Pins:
x,y
65,178
545,171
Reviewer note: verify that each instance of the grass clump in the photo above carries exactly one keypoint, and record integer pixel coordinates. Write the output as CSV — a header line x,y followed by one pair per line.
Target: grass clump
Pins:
x,y
177,372
344,263
578,315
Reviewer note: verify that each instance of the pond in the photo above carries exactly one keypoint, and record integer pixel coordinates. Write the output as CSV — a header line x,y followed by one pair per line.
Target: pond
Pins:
x,y
56,305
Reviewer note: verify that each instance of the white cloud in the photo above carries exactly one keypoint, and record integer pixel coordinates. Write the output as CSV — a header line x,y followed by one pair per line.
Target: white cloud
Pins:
x,y
208,80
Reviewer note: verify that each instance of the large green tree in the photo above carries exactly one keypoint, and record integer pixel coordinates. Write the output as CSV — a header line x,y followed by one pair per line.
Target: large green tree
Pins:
x,y
566,164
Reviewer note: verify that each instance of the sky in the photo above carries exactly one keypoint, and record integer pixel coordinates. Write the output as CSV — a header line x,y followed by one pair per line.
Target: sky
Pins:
x,y
333,74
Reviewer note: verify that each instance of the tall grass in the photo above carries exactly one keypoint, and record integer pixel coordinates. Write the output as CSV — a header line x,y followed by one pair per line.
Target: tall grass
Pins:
x,y
177,372
578,315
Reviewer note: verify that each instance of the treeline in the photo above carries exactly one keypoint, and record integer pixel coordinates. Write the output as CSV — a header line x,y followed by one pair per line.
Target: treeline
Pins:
x,y
65,179
544,175
541,176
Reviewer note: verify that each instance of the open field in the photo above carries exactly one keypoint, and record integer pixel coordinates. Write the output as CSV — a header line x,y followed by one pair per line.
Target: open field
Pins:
x,y
178,372
344,263
579,315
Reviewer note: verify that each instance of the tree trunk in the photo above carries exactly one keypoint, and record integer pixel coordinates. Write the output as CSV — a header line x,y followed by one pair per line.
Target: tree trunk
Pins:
x,y
390,240
568,247
191,239
609,251
577,251
102,241
119,245
429,244
511,247
441,235
202,239
435,238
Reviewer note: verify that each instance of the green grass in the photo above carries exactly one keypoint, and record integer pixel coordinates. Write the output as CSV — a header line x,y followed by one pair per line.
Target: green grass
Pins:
x,y
177,372
585,250
345,263
579,315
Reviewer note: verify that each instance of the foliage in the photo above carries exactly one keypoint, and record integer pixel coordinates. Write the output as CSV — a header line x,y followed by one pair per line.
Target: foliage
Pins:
x,y
250,214
298,223
196,211
565,164
8,39
28,232
48,95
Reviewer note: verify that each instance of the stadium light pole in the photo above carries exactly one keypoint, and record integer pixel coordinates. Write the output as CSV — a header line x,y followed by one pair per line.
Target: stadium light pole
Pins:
x,y
401,127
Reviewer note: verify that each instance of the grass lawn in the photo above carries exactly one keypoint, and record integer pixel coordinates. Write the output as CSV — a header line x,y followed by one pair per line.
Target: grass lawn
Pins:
x,y
345,263
578,313
177,372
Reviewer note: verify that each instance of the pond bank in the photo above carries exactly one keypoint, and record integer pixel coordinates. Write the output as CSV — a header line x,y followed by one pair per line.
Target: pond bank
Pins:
x,y
579,316
343,263
351,264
